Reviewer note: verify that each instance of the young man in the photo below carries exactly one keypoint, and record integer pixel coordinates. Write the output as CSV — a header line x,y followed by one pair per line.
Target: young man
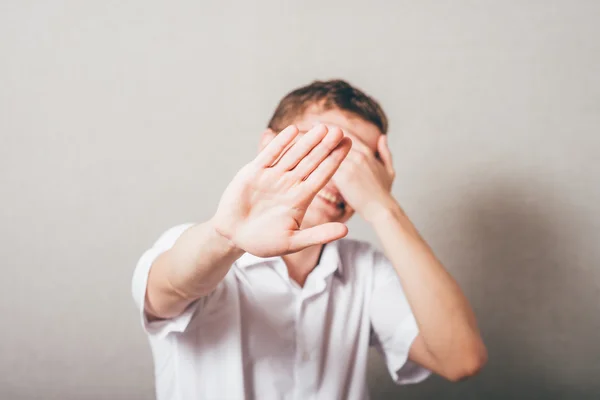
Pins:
x,y
264,301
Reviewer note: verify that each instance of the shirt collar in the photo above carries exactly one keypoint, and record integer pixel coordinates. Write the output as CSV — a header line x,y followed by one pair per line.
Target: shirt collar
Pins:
x,y
329,263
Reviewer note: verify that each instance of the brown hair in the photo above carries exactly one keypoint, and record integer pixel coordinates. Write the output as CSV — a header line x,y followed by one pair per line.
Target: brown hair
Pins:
x,y
332,94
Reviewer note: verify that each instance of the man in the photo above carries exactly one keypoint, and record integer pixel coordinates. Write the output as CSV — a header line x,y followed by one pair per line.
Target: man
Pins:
x,y
264,301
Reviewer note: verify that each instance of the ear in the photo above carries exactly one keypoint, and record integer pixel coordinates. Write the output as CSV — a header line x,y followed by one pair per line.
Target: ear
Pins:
x,y
266,138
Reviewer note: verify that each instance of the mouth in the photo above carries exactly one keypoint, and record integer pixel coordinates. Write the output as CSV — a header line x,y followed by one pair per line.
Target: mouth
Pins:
x,y
333,198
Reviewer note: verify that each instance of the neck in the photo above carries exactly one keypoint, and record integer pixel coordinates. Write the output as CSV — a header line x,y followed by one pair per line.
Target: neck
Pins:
x,y
301,263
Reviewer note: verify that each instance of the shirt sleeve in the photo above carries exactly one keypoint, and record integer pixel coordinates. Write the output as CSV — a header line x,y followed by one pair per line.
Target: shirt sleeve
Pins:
x,y
159,328
394,327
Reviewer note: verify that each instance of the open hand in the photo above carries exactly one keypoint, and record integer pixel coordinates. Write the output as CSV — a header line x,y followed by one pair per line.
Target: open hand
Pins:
x,y
262,209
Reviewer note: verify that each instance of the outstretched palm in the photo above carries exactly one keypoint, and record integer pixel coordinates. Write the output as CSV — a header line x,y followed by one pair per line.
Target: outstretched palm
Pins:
x,y
262,209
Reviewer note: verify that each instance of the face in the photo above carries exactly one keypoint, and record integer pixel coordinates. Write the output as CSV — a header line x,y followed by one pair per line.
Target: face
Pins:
x,y
329,205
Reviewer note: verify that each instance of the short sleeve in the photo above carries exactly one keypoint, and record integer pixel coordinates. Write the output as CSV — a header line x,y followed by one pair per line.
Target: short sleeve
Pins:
x,y
394,327
160,328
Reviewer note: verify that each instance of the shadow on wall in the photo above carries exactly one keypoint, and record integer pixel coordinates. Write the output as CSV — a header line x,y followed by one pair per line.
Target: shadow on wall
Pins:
x,y
519,249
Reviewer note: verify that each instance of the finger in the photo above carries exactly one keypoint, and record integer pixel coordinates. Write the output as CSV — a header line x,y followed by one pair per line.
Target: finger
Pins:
x,y
361,153
302,147
318,153
360,146
319,234
325,170
358,156
273,150
385,153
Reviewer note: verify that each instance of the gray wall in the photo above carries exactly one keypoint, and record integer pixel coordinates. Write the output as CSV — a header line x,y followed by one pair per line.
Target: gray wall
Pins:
x,y
120,119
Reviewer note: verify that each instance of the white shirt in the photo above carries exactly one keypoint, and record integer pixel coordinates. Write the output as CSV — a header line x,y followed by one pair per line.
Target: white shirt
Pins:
x,y
261,336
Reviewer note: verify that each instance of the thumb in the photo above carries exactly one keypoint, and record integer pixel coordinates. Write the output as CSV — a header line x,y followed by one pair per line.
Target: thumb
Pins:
x,y
320,234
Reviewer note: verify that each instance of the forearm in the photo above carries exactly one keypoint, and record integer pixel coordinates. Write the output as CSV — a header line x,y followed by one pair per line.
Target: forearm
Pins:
x,y
191,269
446,321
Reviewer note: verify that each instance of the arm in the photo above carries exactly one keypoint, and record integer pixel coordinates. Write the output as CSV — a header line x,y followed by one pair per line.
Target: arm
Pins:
x,y
449,342
268,196
191,269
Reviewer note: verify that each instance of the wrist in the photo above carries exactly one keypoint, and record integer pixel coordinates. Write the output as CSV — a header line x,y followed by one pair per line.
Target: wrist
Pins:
x,y
382,210
390,217
223,240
